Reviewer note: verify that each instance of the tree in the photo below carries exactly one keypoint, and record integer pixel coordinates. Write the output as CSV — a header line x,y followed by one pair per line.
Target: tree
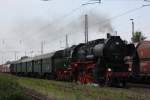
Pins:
x,y
137,37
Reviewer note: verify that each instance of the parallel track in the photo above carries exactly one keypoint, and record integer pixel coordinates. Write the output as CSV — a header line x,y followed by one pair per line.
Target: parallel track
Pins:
x,y
35,95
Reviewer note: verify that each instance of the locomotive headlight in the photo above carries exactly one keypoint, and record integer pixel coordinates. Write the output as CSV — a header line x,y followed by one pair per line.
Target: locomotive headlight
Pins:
x,y
75,65
117,43
109,69
129,69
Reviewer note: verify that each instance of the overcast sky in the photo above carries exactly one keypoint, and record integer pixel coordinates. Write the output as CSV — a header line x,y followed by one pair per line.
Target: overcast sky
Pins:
x,y
25,23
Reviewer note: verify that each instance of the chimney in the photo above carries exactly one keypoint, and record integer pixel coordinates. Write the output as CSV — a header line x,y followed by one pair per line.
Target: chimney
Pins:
x,y
108,35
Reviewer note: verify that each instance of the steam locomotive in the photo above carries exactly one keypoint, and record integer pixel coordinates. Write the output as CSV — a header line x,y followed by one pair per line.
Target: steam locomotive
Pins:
x,y
100,61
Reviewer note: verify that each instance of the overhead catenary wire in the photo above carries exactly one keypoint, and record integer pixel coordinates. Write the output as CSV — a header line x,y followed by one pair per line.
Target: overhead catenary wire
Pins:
x,y
74,10
120,15
146,4
60,18
69,14
92,2
147,0
111,18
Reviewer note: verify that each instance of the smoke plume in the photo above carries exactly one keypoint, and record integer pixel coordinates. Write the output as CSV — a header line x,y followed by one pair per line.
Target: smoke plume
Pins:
x,y
32,32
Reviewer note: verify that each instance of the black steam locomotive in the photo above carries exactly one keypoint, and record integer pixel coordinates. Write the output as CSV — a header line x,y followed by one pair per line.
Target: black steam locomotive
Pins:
x,y
101,61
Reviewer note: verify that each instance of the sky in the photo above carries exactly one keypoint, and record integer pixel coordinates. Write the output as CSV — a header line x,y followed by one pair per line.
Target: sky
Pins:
x,y
27,24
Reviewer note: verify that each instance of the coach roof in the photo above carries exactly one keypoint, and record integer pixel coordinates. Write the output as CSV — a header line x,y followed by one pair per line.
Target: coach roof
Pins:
x,y
43,56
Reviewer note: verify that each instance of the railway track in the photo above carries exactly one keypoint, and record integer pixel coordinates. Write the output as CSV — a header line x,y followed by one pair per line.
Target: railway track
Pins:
x,y
36,95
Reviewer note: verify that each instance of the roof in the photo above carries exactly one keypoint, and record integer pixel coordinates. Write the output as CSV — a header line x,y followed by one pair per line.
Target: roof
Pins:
x,y
26,59
14,62
144,44
43,56
143,49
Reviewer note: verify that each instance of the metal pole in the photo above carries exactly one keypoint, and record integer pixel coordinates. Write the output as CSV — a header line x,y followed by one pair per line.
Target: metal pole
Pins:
x,y
116,33
132,27
67,41
42,47
86,28
25,53
2,60
15,55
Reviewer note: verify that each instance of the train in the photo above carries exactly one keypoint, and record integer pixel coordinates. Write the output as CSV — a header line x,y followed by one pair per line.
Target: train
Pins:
x,y
101,61
140,63
5,68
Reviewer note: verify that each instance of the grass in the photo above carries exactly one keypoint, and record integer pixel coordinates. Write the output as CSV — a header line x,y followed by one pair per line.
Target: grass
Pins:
x,y
10,89
70,91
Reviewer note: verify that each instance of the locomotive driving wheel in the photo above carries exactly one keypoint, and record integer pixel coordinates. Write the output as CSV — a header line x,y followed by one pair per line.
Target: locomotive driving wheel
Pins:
x,y
84,78
122,83
108,81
